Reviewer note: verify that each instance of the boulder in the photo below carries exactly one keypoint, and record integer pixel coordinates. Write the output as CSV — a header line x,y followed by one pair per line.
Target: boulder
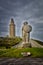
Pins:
x,y
26,53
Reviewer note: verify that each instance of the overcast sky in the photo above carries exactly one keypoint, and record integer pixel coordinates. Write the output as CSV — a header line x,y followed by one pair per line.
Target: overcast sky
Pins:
x,y
21,11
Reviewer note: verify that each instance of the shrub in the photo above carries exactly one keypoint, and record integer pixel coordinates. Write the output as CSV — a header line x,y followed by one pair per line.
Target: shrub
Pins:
x,y
8,42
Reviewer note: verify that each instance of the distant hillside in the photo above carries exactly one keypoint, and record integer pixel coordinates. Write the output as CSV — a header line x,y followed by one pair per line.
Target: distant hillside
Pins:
x,y
38,41
32,42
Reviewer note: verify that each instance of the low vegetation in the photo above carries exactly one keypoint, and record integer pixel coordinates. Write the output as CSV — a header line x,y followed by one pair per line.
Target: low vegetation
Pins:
x,y
40,42
7,51
9,42
35,52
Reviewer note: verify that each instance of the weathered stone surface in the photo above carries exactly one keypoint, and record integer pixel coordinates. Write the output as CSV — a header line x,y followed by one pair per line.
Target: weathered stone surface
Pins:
x,y
12,29
21,61
26,29
26,53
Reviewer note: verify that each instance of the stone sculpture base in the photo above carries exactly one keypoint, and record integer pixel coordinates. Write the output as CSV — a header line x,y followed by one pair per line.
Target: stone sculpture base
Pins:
x,y
26,45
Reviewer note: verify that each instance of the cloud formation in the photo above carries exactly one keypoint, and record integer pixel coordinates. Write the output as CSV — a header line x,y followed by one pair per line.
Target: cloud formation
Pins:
x,y
21,10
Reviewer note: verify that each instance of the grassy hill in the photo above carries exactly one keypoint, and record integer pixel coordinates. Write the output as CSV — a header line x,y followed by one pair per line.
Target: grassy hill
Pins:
x,y
6,42
35,52
38,41
15,52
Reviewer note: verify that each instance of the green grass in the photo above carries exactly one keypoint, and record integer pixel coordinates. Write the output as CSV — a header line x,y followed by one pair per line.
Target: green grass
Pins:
x,y
38,41
36,52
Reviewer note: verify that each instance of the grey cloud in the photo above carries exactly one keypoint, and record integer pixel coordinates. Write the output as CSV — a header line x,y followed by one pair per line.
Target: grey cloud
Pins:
x,y
21,10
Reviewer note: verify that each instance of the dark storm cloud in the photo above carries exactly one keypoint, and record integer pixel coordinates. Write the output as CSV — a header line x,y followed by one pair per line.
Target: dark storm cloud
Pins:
x,y
9,8
24,8
21,10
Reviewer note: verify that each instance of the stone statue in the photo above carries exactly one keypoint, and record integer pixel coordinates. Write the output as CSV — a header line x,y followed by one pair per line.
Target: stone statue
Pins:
x,y
26,29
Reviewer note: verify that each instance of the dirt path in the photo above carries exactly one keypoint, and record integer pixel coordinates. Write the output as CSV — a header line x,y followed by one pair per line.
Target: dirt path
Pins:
x,y
21,61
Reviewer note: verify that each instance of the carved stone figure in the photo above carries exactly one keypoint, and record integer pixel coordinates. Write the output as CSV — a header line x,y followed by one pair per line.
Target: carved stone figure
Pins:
x,y
26,29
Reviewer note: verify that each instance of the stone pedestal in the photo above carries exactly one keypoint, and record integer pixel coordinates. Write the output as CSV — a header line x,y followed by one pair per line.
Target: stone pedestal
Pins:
x,y
26,45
